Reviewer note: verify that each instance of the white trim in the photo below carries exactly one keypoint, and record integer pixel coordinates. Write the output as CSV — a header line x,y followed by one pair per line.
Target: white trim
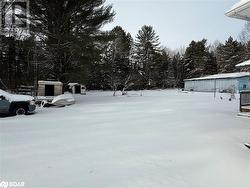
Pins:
x,y
244,64
237,10
222,76
49,83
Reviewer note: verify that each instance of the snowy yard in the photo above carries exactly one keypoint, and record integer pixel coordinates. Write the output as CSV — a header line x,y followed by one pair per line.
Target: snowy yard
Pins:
x,y
163,139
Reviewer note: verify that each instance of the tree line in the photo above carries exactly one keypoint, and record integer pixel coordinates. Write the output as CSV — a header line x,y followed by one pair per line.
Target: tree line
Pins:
x,y
66,43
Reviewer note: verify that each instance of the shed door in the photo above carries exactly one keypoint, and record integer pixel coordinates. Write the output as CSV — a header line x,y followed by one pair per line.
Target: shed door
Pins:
x,y
77,89
49,90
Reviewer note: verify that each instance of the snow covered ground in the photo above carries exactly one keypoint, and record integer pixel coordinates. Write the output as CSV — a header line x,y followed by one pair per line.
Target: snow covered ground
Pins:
x,y
163,139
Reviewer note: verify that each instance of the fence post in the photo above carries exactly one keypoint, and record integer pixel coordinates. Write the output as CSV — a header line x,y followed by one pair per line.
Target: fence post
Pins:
x,y
240,101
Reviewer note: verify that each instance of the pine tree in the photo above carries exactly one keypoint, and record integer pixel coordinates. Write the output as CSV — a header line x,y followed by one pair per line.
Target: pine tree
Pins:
x,y
160,69
69,31
171,81
16,57
229,55
180,73
194,59
210,65
147,46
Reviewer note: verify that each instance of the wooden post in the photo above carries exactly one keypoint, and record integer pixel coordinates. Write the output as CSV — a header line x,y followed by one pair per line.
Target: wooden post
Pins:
x,y
215,88
240,101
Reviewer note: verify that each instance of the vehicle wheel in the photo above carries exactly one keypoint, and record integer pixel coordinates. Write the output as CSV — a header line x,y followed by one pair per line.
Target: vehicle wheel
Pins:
x,y
20,111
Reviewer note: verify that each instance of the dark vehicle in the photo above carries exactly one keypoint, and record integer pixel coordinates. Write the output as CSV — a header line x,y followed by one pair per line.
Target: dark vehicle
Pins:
x,y
16,104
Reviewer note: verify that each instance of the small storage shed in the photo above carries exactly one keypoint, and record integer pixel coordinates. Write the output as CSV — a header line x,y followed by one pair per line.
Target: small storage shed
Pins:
x,y
220,82
50,88
77,88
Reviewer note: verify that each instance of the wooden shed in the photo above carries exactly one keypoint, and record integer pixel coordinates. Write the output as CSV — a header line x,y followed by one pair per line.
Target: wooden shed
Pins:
x,y
50,88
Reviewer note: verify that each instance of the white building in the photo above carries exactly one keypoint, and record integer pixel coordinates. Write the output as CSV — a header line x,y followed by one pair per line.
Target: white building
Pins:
x,y
240,10
219,83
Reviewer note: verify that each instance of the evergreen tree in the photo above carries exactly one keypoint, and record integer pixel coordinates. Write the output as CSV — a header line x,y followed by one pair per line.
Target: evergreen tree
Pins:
x,y
16,67
210,65
147,46
247,51
195,59
171,81
179,61
229,54
117,59
69,30
160,71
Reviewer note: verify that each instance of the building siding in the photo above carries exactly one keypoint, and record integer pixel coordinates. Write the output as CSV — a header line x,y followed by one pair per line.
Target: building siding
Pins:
x,y
244,83
58,87
221,85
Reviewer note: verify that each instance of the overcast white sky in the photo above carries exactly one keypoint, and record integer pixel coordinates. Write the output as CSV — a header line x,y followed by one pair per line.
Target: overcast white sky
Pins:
x,y
178,22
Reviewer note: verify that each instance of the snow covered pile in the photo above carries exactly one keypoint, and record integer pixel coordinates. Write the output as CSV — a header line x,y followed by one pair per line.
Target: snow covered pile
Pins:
x,y
63,100
12,97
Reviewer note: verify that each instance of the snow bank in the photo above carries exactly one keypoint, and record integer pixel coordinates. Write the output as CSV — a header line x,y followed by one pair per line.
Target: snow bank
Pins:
x,y
12,97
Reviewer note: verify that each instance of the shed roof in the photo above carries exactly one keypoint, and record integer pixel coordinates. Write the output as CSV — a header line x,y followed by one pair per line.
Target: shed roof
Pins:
x,y
240,10
50,82
73,84
222,76
244,64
